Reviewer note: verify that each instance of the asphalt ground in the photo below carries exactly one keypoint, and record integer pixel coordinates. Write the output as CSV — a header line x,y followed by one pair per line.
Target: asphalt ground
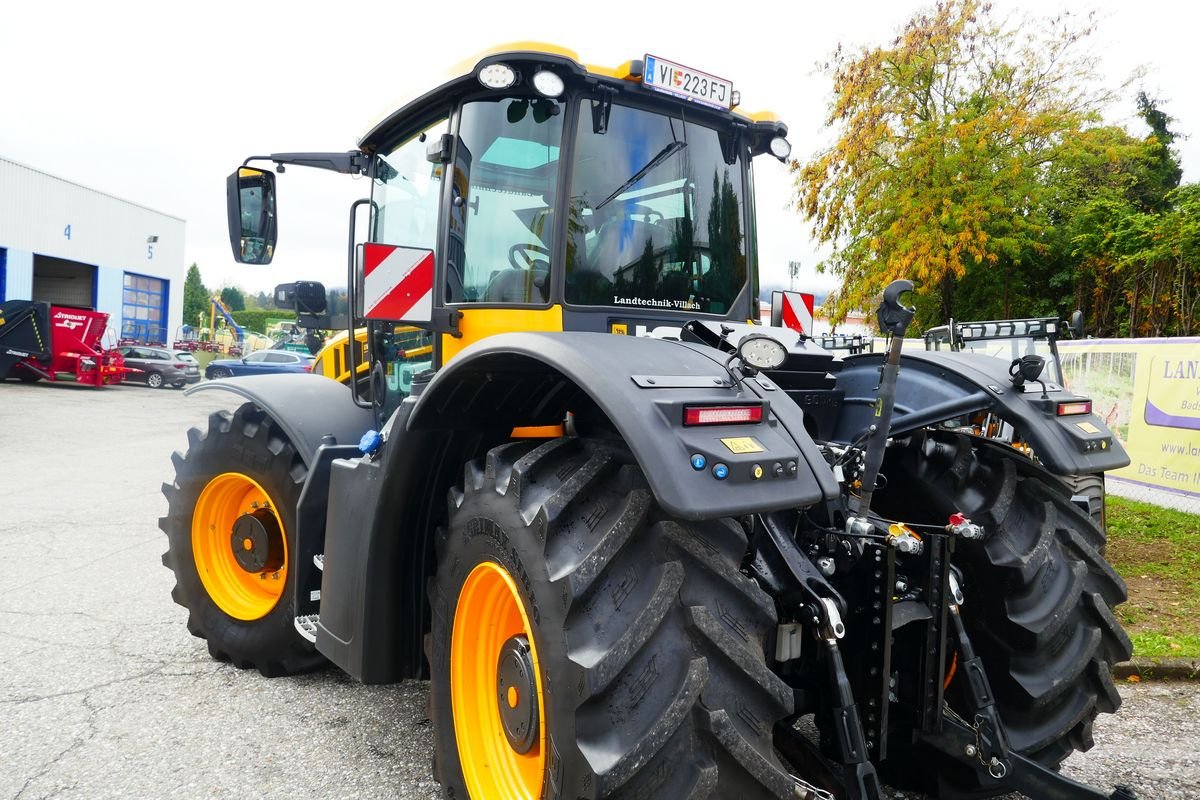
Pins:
x,y
103,693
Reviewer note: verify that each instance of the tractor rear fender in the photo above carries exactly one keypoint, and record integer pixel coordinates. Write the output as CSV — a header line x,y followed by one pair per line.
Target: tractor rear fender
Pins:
x,y
934,387
383,511
307,407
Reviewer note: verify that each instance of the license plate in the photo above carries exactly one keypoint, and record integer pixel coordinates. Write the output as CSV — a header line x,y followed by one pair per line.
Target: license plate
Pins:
x,y
675,79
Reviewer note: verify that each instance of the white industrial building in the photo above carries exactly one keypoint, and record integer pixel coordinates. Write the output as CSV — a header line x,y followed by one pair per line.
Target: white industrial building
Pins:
x,y
70,245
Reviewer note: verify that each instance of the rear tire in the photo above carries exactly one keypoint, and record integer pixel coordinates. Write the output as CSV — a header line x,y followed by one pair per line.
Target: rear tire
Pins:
x,y
1039,601
219,372
650,640
249,627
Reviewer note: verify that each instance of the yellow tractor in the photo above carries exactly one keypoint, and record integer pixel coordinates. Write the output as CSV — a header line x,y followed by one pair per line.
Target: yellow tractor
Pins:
x,y
630,538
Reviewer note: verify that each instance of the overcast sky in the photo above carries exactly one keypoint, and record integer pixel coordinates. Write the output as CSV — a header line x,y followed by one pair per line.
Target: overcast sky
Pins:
x,y
157,102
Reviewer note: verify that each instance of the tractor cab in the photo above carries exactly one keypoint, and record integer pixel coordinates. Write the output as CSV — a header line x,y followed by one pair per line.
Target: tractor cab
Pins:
x,y
534,192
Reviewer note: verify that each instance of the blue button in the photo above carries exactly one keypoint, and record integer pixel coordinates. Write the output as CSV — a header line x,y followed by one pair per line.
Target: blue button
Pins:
x,y
698,462
369,442
720,471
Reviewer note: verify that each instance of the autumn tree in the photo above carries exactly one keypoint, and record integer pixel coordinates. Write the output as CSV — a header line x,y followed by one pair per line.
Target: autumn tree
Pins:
x,y
942,141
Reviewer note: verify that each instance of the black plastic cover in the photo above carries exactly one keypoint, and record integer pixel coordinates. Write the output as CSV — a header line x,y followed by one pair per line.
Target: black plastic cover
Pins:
x,y
539,377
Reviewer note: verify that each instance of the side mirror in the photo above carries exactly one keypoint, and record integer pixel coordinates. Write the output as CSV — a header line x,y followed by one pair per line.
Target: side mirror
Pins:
x,y
250,201
303,297
1076,323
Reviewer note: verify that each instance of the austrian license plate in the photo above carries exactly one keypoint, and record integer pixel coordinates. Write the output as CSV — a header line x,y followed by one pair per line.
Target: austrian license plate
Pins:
x,y
700,87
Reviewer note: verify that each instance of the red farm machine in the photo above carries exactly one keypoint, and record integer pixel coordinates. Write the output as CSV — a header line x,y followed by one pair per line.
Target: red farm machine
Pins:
x,y
39,340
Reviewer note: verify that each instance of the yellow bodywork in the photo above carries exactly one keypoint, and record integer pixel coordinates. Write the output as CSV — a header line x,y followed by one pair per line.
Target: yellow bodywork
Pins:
x,y
479,323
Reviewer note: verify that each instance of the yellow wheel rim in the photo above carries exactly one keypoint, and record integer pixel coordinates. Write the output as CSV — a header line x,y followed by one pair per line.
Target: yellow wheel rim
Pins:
x,y
240,592
489,614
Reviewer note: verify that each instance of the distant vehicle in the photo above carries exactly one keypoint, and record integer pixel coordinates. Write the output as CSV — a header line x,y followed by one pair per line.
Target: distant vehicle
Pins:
x,y
262,362
158,367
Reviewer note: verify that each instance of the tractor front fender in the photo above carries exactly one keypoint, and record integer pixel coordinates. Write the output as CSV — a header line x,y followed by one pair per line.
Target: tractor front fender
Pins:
x,y
934,387
307,408
639,387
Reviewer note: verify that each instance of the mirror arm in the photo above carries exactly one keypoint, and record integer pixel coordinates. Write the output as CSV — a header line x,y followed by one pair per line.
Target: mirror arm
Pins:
x,y
353,162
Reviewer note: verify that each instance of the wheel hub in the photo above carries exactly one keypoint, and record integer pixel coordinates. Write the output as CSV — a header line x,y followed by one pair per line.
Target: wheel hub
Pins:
x,y
516,694
257,541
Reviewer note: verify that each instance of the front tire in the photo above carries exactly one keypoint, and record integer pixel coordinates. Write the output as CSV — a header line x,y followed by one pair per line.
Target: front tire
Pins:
x,y
154,380
1040,600
219,372
1091,486
651,678
231,537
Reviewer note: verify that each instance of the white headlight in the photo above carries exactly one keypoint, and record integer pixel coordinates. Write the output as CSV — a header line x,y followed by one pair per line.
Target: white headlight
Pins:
x,y
762,352
497,76
548,83
780,148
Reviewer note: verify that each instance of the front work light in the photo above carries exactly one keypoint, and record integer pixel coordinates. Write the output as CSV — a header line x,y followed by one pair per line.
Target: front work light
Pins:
x,y
547,83
497,76
762,352
781,148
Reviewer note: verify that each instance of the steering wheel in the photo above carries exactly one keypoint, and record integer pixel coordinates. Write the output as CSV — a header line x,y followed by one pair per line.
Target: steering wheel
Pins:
x,y
525,251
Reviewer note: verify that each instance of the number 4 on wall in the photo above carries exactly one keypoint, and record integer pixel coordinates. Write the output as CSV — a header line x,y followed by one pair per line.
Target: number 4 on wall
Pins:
x,y
67,231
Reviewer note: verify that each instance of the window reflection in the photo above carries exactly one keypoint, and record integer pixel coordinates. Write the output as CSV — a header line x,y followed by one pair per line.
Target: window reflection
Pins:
x,y
655,215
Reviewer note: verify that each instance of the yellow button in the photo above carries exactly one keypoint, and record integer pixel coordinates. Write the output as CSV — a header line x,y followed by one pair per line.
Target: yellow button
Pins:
x,y
758,472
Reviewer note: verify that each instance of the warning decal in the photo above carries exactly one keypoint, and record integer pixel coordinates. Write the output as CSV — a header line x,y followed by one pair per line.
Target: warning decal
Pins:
x,y
397,283
793,310
743,444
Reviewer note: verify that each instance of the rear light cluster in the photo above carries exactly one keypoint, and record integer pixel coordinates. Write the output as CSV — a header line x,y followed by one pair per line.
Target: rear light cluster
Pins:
x,y
722,415
180,366
1074,407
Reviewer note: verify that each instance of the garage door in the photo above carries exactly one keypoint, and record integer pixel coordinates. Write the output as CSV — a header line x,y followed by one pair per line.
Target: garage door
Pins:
x,y
68,283
144,309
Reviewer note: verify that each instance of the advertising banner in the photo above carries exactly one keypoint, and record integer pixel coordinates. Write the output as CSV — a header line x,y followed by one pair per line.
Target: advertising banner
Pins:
x,y
1148,391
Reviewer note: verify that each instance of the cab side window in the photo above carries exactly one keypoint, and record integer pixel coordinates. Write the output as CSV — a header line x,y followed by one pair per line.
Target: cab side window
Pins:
x,y
407,192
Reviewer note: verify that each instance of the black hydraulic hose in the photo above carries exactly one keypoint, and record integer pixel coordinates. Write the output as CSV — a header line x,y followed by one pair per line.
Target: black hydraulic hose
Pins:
x,y
893,318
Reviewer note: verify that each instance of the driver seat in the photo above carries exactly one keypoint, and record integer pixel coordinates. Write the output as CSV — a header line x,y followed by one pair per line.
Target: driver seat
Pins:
x,y
620,243
526,286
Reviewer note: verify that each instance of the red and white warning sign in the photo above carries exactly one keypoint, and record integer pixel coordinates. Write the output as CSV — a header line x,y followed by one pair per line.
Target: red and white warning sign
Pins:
x,y
793,310
397,283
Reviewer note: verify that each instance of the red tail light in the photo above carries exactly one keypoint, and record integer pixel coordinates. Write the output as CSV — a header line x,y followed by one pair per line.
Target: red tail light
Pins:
x,y
721,415
1075,407
308,367
180,366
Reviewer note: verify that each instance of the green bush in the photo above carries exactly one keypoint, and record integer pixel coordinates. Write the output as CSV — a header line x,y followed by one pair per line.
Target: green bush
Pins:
x,y
258,320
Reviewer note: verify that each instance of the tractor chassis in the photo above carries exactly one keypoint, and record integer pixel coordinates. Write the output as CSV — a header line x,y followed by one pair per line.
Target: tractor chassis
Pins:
x,y
843,766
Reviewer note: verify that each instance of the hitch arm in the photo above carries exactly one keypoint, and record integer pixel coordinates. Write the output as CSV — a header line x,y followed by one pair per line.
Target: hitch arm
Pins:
x,y
985,745
1025,775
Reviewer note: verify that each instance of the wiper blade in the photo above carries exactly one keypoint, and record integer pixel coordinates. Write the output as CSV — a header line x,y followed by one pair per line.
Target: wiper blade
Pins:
x,y
663,155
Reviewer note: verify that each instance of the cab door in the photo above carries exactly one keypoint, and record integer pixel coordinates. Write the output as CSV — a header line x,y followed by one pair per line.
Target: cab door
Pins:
x,y
501,227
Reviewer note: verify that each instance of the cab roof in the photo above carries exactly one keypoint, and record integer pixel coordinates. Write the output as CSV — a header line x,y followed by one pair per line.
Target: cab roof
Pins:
x,y
461,78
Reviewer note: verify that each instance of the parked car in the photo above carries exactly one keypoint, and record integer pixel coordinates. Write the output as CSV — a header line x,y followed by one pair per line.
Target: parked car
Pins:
x,y
261,362
158,366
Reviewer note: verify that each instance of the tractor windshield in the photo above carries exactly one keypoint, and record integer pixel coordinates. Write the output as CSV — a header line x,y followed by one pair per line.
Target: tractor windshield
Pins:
x,y
656,214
